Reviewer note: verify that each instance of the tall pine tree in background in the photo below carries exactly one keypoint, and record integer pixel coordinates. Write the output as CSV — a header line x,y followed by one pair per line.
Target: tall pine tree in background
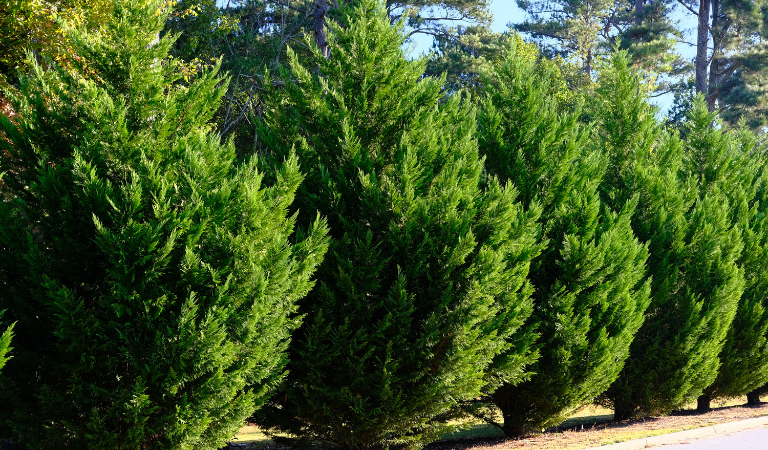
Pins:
x,y
569,27
462,58
731,57
728,159
425,279
590,294
737,82
694,248
152,279
587,29
649,35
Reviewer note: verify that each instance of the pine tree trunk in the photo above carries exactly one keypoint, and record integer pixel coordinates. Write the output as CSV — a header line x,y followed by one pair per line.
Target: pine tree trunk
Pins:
x,y
753,398
714,67
638,12
703,403
702,38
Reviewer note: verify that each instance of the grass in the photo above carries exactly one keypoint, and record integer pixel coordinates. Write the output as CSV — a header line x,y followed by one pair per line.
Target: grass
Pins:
x,y
586,417
589,417
251,434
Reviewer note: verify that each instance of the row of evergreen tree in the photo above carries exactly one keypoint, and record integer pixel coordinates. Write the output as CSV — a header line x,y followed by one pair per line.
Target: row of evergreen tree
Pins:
x,y
394,260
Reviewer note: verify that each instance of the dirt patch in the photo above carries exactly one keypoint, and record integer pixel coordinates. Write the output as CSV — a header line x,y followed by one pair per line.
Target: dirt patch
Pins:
x,y
581,437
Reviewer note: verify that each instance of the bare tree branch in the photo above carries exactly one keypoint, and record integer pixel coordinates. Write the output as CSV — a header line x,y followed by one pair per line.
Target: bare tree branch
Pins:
x,y
688,8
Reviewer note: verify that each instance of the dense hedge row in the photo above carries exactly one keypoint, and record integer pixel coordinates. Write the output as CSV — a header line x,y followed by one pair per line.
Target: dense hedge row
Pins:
x,y
397,259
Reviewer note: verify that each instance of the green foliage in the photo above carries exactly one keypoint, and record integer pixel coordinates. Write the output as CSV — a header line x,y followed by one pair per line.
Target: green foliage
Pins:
x,y
462,55
694,249
568,27
152,279
253,35
650,39
684,96
591,29
590,290
425,282
473,50
5,345
730,159
34,25
249,37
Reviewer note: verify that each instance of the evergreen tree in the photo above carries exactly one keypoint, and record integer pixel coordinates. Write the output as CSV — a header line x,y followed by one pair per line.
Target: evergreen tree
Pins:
x,y
694,248
728,159
462,55
590,293
425,282
152,278
5,345
731,75
684,96
650,36
569,27
477,49
588,29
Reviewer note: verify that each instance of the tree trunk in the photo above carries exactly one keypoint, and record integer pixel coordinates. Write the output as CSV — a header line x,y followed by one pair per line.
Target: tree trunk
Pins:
x,y
703,403
714,66
623,412
588,63
702,37
638,12
513,431
512,426
321,38
753,398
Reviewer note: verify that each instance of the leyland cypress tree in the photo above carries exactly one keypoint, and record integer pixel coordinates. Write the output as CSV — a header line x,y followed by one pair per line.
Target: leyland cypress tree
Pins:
x,y
590,289
694,248
152,278
729,159
424,283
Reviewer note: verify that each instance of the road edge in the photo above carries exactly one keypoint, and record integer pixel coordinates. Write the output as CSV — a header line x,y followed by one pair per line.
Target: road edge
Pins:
x,y
681,437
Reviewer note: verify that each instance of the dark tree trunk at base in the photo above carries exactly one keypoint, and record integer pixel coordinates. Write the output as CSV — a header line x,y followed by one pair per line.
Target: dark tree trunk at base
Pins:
x,y
512,426
513,431
753,398
621,413
703,404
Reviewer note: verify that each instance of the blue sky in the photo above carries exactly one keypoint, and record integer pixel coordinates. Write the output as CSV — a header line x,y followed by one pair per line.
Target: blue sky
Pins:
x,y
504,12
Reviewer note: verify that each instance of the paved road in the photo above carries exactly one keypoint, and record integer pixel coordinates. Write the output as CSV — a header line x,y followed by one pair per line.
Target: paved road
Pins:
x,y
756,439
